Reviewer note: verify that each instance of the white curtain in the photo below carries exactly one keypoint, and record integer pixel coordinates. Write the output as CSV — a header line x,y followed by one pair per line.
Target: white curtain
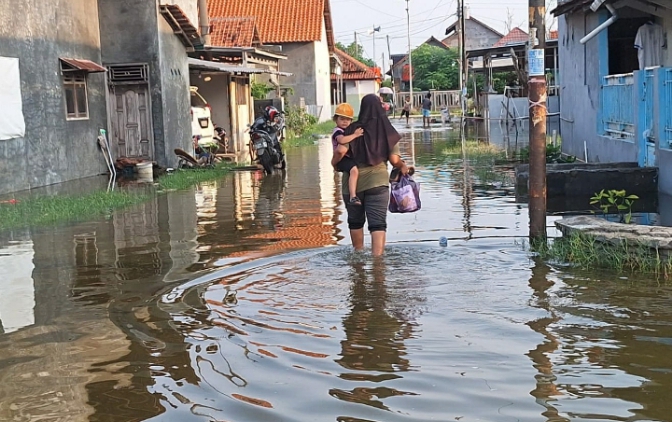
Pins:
x,y
12,124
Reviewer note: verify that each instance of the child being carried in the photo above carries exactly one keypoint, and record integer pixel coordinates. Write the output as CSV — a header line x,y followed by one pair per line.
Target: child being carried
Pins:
x,y
343,117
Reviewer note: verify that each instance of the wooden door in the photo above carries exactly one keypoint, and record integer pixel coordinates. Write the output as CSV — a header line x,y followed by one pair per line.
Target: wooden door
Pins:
x,y
131,131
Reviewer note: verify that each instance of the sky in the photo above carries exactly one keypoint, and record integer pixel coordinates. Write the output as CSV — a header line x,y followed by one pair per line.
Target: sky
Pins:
x,y
428,17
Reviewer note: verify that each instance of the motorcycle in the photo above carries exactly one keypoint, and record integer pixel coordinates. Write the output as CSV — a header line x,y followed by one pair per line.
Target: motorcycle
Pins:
x,y
266,135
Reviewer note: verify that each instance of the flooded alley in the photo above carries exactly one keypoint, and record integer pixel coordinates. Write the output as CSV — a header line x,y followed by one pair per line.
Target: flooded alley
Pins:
x,y
240,300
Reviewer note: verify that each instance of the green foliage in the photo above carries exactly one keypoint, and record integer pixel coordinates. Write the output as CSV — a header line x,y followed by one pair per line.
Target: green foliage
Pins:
x,y
435,68
387,83
500,80
309,136
355,51
298,121
553,155
260,90
587,252
616,202
185,178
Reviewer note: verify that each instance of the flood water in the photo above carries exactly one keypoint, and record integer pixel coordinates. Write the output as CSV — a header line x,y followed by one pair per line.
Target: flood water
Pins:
x,y
240,300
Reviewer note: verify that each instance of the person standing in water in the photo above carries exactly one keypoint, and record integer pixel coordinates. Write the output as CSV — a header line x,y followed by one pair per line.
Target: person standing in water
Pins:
x,y
426,109
371,151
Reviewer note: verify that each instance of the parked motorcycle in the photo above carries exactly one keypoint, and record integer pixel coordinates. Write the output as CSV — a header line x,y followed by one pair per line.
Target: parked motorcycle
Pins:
x,y
266,135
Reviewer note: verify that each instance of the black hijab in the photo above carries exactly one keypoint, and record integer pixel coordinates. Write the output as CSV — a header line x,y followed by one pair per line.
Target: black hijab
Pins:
x,y
379,136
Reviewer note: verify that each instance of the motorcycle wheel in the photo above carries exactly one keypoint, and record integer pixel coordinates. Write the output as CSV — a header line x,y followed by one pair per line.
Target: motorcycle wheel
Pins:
x,y
266,162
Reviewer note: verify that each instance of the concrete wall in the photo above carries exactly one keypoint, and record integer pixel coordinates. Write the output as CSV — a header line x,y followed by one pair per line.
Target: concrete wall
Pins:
x,y
175,95
151,41
580,94
301,64
311,68
53,149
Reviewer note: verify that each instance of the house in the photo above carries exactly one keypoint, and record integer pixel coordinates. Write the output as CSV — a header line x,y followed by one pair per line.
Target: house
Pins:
x,y
61,87
148,79
52,87
354,81
616,106
305,34
399,70
223,72
477,34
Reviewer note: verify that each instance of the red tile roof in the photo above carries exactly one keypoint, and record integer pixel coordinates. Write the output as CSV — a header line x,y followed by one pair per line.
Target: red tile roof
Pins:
x,y
353,69
280,21
234,32
516,36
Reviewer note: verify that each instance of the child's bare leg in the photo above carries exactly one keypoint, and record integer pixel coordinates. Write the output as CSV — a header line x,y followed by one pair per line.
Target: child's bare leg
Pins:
x,y
352,182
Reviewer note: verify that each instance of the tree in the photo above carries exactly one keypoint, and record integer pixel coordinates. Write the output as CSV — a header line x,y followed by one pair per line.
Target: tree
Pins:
x,y
355,51
435,68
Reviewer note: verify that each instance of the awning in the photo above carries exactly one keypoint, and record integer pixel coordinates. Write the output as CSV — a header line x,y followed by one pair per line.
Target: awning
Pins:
x,y
181,25
73,65
231,68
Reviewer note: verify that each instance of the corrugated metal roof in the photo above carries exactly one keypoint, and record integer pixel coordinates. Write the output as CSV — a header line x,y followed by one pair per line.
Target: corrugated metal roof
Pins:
x,y
81,64
229,68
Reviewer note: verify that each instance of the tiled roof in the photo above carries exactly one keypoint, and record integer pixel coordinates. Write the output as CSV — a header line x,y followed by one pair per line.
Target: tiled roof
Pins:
x,y
516,36
280,21
234,32
353,69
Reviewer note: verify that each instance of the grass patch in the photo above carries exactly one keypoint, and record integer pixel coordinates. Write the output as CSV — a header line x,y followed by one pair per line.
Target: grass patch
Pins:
x,y
49,210
53,209
475,150
587,252
310,136
183,179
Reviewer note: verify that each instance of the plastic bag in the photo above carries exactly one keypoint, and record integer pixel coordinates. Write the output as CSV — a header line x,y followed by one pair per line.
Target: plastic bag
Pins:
x,y
405,195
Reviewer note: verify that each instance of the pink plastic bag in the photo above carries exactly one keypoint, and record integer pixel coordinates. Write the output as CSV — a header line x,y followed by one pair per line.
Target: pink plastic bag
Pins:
x,y
405,195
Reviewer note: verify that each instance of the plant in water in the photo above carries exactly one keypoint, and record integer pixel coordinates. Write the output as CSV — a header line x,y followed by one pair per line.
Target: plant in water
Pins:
x,y
587,252
617,200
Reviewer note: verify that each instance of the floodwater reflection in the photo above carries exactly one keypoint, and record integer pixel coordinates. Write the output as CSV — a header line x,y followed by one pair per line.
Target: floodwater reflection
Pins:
x,y
240,300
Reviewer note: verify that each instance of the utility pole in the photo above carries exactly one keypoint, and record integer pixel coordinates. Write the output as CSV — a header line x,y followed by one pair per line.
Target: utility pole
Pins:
x,y
373,31
537,102
410,58
389,57
460,48
356,46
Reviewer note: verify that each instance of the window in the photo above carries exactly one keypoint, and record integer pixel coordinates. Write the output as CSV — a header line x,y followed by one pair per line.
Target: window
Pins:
x,y
76,102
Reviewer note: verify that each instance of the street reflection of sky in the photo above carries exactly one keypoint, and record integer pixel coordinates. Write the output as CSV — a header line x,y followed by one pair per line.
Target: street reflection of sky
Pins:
x,y
17,300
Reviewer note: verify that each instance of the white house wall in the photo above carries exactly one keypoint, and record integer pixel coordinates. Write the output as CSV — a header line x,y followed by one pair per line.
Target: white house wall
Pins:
x,y
323,75
356,90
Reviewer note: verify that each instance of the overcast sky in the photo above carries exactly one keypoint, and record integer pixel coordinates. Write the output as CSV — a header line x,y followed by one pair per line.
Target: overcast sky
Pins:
x,y
428,17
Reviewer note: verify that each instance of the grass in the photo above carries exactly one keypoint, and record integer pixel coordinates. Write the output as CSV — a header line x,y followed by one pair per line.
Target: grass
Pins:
x,y
53,209
475,150
587,252
310,135
48,210
183,179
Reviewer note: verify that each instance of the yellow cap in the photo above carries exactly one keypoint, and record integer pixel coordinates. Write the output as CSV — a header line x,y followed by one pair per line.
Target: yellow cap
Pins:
x,y
345,110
